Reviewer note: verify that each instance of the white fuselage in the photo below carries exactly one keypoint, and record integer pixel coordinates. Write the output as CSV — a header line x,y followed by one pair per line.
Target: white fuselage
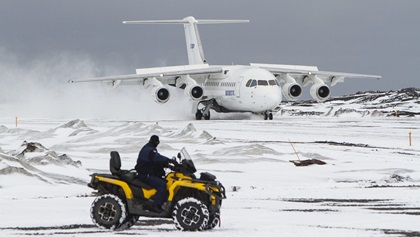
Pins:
x,y
244,89
254,88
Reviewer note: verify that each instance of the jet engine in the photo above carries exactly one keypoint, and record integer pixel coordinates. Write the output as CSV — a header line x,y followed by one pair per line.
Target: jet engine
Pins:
x,y
160,94
320,92
194,92
291,91
191,89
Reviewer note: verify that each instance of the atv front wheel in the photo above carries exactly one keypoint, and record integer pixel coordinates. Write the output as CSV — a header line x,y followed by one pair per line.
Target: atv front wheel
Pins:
x,y
190,214
108,211
128,222
214,221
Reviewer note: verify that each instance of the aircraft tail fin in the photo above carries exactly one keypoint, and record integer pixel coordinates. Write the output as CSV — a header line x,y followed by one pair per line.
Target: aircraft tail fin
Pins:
x,y
192,37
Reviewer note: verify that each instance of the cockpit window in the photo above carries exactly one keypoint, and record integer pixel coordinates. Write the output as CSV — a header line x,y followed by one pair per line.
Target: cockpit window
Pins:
x,y
248,83
253,83
262,83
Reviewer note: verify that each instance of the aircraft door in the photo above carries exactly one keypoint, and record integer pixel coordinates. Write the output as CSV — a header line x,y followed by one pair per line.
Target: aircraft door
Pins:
x,y
238,87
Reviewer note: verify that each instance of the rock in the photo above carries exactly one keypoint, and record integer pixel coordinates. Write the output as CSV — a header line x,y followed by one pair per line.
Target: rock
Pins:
x,y
307,162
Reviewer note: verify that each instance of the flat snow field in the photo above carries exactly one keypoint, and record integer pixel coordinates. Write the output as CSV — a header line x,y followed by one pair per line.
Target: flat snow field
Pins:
x,y
369,186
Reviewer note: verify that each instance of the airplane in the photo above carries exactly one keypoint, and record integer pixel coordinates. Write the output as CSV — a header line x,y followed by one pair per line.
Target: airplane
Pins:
x,y
255,88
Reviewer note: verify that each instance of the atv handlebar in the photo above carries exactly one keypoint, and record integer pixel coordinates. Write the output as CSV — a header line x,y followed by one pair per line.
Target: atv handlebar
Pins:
x,y
173,164
173,161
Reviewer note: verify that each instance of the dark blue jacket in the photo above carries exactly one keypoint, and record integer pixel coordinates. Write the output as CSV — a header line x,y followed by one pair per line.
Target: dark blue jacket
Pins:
x,y
150,162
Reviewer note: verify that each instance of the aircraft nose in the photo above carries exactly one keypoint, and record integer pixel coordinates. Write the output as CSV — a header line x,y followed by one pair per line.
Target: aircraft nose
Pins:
x,y
274,98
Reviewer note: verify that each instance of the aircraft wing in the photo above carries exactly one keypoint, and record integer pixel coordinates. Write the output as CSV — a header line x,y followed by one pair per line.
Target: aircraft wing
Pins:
x,y
301,72
163,74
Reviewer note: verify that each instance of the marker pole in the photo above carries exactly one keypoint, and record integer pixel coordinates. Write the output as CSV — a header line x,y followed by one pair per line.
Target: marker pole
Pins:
x,y
409,137
294,150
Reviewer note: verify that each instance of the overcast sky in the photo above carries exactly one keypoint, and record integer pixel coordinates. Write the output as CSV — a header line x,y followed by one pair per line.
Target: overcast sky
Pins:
x,y
380,37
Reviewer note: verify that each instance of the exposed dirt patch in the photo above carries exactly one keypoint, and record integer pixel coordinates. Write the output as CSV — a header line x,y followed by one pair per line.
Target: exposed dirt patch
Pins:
x,y
76,229
402,233
327,200
393,186
394,208
309,210
154,222
345,144
377,205
91,230
63,227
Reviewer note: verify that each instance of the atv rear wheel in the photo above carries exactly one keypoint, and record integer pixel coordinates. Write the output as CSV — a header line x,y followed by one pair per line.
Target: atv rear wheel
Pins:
x,y
190,214
108,212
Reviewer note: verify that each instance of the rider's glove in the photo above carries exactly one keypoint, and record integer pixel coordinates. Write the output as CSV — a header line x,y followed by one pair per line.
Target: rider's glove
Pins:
x,y
172,162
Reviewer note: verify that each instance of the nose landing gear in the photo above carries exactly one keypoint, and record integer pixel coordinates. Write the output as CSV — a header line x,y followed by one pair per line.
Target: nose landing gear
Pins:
x,y
268,115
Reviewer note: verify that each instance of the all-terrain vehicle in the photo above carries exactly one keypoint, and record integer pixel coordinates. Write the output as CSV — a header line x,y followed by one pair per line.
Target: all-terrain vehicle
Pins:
x,y
193,203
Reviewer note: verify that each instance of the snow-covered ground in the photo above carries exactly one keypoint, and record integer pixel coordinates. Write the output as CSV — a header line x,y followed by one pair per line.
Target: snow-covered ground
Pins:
x,y
370,185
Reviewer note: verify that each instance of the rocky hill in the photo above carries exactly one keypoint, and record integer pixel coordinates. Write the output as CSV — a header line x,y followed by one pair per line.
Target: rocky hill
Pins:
x,y
404,102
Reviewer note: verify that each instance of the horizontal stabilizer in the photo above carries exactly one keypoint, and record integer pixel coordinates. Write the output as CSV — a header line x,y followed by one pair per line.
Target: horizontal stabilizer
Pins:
x,y
185,21
192,37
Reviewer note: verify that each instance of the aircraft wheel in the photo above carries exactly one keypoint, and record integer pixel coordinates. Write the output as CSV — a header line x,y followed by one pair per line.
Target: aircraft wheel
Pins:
x,y
198,115
207,116
270,116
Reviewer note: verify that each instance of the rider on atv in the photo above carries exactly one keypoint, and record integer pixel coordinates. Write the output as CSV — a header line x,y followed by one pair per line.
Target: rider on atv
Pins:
x,y
149,167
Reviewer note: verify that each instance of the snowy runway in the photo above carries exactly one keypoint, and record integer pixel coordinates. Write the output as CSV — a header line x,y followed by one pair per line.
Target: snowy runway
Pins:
x,y
370,185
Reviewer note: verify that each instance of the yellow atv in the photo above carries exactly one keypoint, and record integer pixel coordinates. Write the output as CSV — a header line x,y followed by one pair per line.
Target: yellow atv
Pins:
x,y
193,203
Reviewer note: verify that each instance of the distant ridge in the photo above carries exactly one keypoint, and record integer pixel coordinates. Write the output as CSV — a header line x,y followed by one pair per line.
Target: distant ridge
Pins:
x,y
404,102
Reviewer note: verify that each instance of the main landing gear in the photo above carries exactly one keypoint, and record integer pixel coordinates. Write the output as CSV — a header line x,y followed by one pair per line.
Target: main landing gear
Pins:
x,y
199,115
205,111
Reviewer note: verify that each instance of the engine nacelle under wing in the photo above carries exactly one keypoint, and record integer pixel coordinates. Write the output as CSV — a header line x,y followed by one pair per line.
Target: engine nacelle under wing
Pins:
x,y
194,92
320,92
291,91
160,94
191,89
